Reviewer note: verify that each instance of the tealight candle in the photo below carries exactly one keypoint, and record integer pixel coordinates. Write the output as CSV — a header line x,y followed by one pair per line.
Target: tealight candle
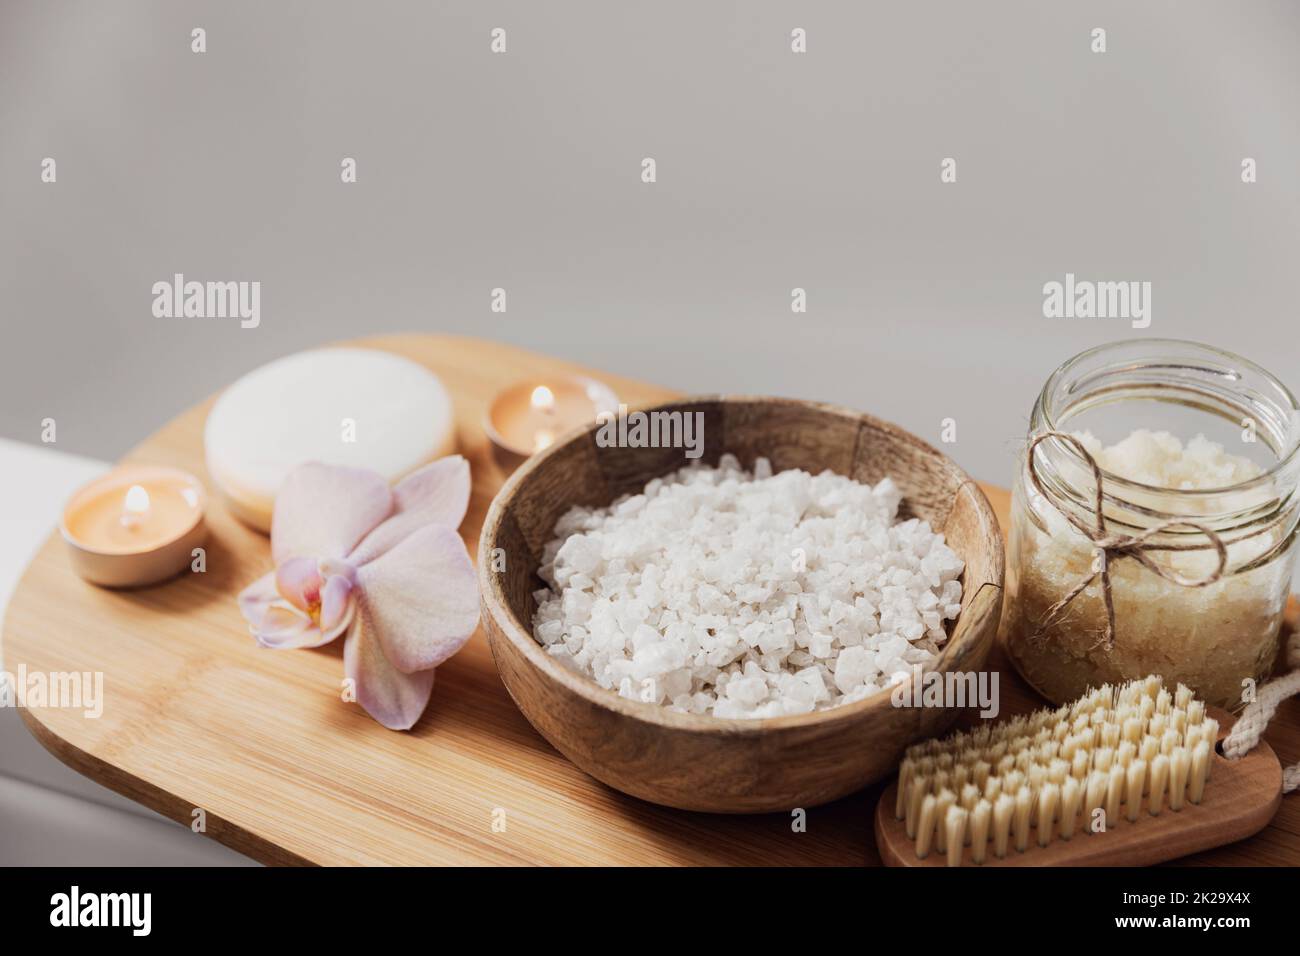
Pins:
x,y
134,526
529,416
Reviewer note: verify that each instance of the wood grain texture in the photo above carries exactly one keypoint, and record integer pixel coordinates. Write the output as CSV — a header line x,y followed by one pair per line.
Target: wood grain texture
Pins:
x,y
1240,799
694,762
197,716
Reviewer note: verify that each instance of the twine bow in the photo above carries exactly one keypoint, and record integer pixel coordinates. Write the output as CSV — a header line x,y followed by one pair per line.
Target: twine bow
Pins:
x,y
1111,547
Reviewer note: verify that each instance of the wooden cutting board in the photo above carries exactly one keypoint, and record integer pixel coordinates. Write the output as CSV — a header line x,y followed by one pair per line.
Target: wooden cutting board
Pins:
x,y
197,717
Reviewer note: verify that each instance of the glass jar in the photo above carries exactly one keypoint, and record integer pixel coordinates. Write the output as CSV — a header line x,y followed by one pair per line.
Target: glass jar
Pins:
x,y
1214,638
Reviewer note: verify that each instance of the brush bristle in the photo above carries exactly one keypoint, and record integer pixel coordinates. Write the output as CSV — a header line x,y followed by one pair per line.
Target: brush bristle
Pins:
x,y
1054,769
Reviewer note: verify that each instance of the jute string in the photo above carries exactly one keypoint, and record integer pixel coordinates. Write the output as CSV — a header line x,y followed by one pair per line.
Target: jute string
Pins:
x,y
1248,729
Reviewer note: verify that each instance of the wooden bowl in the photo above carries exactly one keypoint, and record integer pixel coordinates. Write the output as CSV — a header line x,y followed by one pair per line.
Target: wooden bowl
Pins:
x,y
697,762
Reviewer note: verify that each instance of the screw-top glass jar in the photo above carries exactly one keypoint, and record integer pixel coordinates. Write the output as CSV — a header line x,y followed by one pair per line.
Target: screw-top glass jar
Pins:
x,y
1181,433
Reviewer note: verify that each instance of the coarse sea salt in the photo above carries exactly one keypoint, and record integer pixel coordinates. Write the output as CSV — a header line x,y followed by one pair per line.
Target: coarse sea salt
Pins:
x,y
737,594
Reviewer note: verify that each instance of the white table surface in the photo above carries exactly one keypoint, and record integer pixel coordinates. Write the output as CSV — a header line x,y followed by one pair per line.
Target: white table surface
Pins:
x,y
50,814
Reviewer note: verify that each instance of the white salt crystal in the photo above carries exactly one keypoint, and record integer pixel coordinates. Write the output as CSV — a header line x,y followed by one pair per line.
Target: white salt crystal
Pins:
x,y
717,591
747,691
853,668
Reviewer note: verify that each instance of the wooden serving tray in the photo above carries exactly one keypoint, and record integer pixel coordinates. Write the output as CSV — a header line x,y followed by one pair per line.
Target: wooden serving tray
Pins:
x,y
197,716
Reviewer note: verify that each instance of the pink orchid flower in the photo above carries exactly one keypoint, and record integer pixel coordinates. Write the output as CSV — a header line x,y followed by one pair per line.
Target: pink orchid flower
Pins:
x,y
384,567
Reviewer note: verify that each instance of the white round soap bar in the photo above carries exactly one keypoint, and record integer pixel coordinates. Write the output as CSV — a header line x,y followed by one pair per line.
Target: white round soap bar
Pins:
x,y
357,407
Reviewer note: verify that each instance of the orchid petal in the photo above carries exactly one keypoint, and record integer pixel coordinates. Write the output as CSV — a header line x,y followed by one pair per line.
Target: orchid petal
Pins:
x,y
421,598
284,627
254,598
436,494
337,606
298,581
322,511
394,699
273,620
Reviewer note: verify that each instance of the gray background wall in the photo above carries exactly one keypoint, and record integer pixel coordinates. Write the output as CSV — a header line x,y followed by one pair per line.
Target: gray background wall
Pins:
x,y
522,171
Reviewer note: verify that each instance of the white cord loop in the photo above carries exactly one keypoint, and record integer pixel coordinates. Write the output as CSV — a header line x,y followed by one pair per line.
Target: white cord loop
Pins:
x,y
1250,726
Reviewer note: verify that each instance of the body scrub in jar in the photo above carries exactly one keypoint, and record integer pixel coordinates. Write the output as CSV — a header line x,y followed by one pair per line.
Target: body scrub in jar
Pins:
x,y
1196,452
